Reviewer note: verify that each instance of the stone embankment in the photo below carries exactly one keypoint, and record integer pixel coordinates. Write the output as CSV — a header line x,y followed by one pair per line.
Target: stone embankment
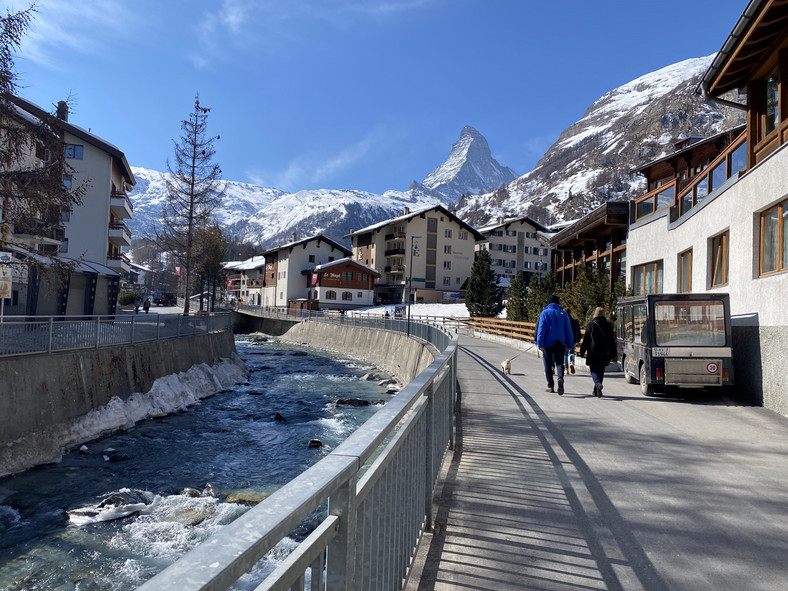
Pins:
x,y
51,402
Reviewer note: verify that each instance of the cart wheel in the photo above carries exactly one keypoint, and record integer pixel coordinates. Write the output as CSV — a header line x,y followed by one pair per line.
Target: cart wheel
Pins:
x,y
645,389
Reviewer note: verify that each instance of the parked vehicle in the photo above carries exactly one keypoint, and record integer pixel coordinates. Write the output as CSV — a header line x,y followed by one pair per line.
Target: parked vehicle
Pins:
x,y
164,298
675,340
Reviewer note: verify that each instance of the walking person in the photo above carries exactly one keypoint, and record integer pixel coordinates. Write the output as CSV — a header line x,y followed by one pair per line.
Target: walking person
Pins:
x,y
553,335
569,356
146,305
599,348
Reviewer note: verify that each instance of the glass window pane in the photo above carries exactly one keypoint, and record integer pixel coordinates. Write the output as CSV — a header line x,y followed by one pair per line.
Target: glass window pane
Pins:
x,y
738,159
772,115
659,277
682,324
639,322
717,176
686,203
645,208
702,189
637,280
649,279
769,237
665,198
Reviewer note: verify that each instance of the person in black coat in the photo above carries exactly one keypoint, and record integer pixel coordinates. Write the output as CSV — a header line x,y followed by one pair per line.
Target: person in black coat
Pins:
x,y
599,348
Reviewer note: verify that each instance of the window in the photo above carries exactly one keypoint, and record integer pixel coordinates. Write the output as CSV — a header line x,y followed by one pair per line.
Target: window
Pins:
x,y
67,181
331,295
457,280
447,249
511,232
64,245
347,296
544,252
772,115
447,281
682,324
498,233
447,233
74,151
311,258
359,294
685,271
447,264
330,259
526,265
462,235
719,260
639,323
647,278
774,239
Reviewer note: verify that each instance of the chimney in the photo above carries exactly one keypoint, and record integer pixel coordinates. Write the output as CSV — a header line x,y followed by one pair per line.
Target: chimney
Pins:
x,y
405,210
62,111
295,237
500,220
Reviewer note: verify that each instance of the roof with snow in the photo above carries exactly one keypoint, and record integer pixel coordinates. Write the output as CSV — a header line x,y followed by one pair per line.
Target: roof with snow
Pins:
x,y
509,221
344,261
412,214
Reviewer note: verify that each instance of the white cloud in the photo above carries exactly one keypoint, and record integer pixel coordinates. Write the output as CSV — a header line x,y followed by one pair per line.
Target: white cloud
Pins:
x,y
309,171
88,27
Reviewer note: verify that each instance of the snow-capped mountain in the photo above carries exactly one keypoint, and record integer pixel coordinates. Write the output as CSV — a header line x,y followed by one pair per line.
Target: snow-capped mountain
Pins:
x,y
269,217
470,168
593,160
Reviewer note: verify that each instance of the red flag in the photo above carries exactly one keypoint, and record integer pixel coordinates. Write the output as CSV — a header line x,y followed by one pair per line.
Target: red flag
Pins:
x,y
178,271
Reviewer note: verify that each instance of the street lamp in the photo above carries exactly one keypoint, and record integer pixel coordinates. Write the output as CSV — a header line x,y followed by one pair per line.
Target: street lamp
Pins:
x,y
410,277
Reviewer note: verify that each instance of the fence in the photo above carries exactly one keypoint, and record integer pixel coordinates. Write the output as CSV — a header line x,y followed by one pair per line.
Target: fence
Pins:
x,y
45,334
374,490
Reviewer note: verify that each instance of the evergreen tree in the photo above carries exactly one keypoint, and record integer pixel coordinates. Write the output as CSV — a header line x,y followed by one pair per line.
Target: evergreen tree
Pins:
x,y
538,292
516,299
209,256
193,192
484,297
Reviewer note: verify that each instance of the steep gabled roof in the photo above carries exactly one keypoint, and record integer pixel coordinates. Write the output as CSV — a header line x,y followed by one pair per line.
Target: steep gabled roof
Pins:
x,y
508,222
344,261
318,237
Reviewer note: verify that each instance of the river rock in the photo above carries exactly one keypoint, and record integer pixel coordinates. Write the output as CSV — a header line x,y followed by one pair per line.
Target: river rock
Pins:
x,y
352,402
279,418
314,443
387,382
248,496
191,492
370,377
190,516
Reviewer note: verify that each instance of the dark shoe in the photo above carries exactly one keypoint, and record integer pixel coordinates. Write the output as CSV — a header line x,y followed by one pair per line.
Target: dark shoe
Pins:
x,y
598,391
571,368
594,391
549,389
560,387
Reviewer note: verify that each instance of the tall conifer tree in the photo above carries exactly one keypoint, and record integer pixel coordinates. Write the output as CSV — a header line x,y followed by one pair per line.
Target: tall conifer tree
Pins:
x,y
483,297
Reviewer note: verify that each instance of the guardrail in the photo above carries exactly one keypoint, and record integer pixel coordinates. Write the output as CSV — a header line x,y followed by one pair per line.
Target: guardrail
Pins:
x,y
27,335
375,491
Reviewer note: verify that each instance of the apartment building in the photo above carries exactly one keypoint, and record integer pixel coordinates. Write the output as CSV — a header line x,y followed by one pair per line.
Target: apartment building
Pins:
x,y
422,256
516,247
724,228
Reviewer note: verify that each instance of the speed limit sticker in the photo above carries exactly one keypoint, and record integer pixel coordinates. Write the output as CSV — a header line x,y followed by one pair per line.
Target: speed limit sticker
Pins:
x,y
712,367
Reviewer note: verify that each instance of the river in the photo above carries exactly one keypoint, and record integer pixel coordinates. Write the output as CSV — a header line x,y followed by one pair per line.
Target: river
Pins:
x,y
229,447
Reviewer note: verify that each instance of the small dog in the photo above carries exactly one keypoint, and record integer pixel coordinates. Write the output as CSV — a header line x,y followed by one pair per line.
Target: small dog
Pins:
x,y
506,367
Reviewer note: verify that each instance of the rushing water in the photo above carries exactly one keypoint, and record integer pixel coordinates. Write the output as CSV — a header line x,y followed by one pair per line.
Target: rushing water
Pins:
x,y
231,441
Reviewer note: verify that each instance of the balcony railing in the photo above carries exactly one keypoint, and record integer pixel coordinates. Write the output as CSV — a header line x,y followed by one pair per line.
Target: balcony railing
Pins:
x,y
728,164
394,269
121,204
395,252
396,236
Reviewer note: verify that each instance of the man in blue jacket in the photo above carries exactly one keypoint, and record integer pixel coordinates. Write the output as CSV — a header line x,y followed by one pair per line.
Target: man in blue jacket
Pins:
x,y
553,336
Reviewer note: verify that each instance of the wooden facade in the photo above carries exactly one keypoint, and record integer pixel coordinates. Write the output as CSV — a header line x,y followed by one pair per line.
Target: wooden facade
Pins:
x,y
598,241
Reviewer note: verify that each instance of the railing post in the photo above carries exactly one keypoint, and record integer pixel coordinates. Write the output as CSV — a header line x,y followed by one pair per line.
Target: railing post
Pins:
x,y
429,460
341,554
132,330
51,331
98,330
158,327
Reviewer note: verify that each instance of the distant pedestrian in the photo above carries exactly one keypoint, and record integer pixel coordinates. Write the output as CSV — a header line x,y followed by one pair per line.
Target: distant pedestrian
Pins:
x,y
599,348
146,305
137,303
569,357
553,336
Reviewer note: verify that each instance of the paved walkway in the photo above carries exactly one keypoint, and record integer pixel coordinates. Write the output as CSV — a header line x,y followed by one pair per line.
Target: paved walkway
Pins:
x,y
623,492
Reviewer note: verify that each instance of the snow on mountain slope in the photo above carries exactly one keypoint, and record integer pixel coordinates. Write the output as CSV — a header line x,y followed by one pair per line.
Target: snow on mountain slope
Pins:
x,y
470,168
593,160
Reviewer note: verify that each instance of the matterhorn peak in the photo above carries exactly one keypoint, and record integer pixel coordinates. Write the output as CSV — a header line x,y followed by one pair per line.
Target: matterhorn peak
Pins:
x,y
470,167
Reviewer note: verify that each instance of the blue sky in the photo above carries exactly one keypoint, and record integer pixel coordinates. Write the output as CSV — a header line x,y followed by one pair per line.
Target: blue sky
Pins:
x,y
350,94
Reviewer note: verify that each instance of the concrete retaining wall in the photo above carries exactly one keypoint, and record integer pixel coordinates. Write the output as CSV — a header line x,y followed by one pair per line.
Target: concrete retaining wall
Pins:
x,y
758,353
394,352
39,391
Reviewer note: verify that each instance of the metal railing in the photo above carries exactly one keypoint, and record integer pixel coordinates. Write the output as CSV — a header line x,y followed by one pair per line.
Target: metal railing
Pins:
x,y
375,491
26,335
